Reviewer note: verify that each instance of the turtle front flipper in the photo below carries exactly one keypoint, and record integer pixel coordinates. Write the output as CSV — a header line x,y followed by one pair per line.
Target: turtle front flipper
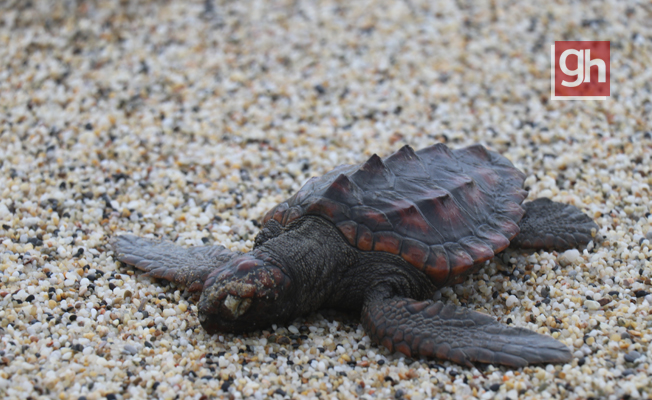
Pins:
x,y
548,225
432,329
188,267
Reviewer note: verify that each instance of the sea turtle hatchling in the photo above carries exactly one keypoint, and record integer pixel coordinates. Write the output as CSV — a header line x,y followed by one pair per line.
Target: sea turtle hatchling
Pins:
x,y
380,238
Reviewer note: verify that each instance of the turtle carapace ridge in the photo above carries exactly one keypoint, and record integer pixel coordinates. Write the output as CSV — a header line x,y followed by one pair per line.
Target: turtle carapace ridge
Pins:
x,y
442,211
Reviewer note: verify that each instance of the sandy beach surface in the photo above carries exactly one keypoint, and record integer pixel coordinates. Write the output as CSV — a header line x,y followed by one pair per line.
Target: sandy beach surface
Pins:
x,y
189,120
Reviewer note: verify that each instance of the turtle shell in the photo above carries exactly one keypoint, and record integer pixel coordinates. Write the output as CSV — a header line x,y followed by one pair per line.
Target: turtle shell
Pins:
x,y
441,210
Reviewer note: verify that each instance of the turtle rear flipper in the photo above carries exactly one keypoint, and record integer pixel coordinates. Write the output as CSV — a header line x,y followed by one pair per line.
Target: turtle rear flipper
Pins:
x,y
188,267
549,225
432,329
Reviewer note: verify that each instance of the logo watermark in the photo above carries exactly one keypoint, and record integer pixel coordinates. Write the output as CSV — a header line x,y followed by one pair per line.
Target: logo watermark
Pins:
x,y
580,70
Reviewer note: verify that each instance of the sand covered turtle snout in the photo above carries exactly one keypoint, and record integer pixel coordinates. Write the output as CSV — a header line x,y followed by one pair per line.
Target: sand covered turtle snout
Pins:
x,y
245,296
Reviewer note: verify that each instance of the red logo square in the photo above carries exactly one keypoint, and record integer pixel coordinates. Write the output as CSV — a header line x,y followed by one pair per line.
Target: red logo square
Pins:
x,y
580,70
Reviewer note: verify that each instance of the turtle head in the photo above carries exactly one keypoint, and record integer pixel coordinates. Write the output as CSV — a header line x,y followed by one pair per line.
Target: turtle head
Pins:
x,y
245,295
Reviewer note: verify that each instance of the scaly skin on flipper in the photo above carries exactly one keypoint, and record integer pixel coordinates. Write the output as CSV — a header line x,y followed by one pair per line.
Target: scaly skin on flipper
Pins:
x,y
548,225
188,267
379,238
432,329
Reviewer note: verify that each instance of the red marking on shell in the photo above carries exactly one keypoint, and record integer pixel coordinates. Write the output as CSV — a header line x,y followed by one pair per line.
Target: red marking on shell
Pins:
x,y
291,215
499,243
404,348
279,212
410,220
514,210
374,164
414,252
508,227
405,162
350,230
342,190
445,214
517,195
268,216
494,238
460,181
429,193
437,266
388,242
365,238
374,219
464,190
477,249
334,211
373,174
415,190
460,260
304,192
488,176
470,196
